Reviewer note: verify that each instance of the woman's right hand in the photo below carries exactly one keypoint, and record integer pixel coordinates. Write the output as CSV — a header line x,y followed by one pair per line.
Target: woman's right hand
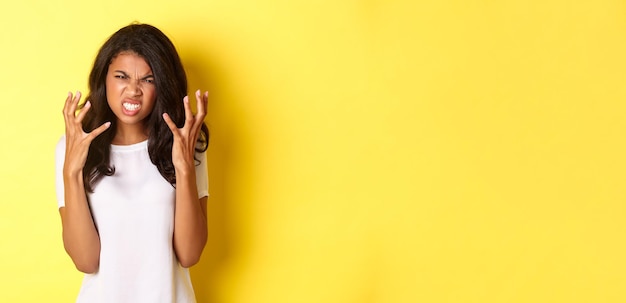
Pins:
x,y
76,140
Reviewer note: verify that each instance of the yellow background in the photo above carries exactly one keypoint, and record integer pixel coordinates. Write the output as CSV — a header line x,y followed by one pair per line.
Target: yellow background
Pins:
x,y
362,151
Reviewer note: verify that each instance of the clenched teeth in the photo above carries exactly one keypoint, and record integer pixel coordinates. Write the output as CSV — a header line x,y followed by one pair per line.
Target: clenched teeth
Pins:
x,y
131,106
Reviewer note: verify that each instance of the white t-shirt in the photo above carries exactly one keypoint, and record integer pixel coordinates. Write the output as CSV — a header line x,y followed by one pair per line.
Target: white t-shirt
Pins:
x,y
134,213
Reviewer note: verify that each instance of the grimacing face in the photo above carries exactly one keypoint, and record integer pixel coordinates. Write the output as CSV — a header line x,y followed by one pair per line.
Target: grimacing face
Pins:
x,y
130,89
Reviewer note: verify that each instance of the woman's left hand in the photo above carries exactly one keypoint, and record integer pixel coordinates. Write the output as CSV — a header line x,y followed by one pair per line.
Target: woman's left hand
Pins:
x,y
185,138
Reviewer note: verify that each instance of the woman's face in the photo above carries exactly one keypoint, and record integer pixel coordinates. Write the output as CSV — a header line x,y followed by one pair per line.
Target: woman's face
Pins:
x,y
130,89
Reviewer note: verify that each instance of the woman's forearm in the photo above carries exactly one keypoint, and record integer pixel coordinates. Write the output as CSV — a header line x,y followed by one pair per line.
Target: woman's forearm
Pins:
x,y
190,223
80,236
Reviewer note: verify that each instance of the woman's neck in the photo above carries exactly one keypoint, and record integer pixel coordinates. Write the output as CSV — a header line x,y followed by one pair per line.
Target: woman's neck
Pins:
x,y
129,134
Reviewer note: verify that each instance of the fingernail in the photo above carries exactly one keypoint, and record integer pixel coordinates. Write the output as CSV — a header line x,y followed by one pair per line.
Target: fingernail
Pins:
x,y
107,123
186,99
198,93
88,103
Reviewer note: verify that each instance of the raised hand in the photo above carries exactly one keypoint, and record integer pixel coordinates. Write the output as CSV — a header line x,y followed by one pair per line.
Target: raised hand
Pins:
x,y
185,138
76,140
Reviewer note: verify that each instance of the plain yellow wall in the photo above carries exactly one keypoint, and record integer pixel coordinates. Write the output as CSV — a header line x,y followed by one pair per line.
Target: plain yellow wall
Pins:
x,y
362,151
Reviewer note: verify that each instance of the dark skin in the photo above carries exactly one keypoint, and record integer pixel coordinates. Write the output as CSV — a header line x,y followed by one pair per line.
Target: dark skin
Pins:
x,y
131,96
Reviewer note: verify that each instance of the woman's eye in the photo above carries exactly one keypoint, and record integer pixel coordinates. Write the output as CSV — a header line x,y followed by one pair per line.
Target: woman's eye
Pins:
x,y
149,80
120,76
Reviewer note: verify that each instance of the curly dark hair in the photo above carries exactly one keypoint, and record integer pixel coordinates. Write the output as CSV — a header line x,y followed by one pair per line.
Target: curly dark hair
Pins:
x,y
170,82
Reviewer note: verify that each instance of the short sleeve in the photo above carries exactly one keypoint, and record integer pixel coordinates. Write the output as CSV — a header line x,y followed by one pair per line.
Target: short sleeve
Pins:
x,y
59,159
202,176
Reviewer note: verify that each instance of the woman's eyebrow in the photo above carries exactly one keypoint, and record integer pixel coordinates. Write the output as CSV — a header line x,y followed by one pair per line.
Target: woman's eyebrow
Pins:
x,y
126,74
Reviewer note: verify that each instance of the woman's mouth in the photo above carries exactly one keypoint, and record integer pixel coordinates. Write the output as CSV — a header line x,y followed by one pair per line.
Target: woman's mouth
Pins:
x,y
130,108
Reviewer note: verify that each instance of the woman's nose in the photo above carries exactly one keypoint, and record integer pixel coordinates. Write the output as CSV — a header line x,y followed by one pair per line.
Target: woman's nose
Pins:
x,y
135,87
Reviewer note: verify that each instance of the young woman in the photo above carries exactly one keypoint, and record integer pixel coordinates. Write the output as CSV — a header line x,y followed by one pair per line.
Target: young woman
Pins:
x,y
131,176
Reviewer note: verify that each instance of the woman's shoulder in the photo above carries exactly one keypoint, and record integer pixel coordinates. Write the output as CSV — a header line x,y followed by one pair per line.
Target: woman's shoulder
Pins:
x,y
60,147
61,141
